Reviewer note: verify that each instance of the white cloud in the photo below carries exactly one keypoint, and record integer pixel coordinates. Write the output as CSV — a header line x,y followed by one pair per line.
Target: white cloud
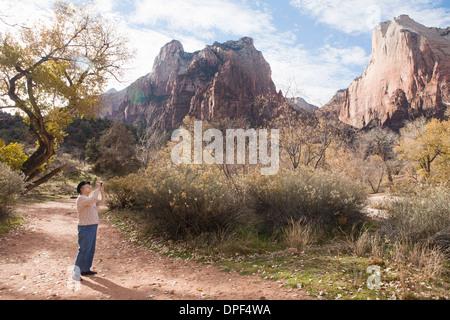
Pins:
x,y
153,23
105,5
23,13
316,77
147,44
360,16
347,56
201,18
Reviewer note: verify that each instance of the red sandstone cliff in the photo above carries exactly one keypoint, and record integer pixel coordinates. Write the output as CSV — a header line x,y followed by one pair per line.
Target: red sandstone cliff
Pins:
x,y
222,80
408,75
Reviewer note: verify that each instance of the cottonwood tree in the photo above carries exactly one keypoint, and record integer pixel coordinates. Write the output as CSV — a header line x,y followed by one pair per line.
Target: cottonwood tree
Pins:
x,y
374,169
53,73
424,143
148,143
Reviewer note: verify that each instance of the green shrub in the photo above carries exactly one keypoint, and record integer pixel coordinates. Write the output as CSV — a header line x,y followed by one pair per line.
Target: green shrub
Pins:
x,y
127,192
179,202
11,187
314,195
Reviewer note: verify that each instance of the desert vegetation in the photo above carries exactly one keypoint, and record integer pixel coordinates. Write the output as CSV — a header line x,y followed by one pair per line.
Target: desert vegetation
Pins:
x,y
311,220
316,223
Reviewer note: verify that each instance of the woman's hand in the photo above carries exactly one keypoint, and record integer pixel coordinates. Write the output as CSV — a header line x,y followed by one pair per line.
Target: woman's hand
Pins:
x,y
100,186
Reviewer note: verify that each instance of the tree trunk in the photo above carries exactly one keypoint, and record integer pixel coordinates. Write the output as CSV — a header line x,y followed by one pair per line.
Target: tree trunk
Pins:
x,y
389,172
31,167
45,178
40,157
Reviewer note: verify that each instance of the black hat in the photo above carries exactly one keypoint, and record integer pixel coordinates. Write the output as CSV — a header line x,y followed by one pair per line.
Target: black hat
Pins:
x,y
81,184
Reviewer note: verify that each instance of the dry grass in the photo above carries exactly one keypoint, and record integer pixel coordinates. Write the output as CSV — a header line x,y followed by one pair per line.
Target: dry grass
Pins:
x,y
300,234
430,261
357,240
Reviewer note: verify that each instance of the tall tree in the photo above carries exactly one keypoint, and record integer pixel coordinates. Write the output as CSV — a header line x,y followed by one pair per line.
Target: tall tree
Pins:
x,y
380,141
305,137
53,73
425,143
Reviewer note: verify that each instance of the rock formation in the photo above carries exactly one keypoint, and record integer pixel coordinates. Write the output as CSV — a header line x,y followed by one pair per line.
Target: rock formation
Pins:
x,y
301,105
408,75
222,80
332,108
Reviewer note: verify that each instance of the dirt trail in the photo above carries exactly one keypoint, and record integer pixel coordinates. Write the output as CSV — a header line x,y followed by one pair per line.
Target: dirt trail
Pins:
x,y
36,262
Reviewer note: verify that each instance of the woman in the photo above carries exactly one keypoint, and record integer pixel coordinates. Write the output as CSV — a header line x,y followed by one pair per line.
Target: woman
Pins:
x,y
87,227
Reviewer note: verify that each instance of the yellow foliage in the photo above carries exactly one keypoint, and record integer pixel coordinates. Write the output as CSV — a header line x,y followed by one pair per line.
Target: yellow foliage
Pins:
x,y
426,143
12,155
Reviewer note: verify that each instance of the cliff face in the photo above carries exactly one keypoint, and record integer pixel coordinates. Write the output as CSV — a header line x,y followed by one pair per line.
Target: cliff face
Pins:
x,y
332,108
301,105
222,80
408,75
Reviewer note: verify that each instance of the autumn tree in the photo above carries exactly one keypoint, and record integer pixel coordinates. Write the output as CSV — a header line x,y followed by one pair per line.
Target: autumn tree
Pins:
x,y
54,73
380,142
306,138
148,143
374,169
426,143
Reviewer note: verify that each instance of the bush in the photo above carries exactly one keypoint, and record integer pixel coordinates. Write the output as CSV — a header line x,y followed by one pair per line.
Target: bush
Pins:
x,y
179,202
315,195
12,155
11,186
183,201
420,215
416,233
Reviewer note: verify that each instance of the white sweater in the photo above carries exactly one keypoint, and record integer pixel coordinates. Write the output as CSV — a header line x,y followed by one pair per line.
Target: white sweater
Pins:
x,y
87,209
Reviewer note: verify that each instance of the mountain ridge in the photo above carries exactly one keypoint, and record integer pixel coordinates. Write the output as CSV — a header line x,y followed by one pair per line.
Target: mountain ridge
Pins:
x,y
221,80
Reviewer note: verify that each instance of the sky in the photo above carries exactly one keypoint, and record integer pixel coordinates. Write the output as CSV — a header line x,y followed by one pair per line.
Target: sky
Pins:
x,y
314,47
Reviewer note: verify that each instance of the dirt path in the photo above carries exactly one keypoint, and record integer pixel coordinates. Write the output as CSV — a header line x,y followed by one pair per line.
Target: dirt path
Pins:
x,y
36,262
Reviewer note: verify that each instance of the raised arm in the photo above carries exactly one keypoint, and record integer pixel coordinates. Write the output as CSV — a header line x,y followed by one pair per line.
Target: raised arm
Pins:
x,y
90,200
102,191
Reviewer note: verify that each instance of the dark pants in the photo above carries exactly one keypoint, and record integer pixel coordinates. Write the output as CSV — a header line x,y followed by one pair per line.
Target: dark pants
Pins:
x,y
87,236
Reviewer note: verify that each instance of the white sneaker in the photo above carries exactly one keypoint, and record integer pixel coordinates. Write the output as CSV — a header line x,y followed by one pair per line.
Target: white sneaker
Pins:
x,y
76,277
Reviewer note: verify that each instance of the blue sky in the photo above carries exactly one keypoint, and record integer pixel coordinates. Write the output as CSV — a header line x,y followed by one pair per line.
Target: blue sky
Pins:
x,y
314,47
